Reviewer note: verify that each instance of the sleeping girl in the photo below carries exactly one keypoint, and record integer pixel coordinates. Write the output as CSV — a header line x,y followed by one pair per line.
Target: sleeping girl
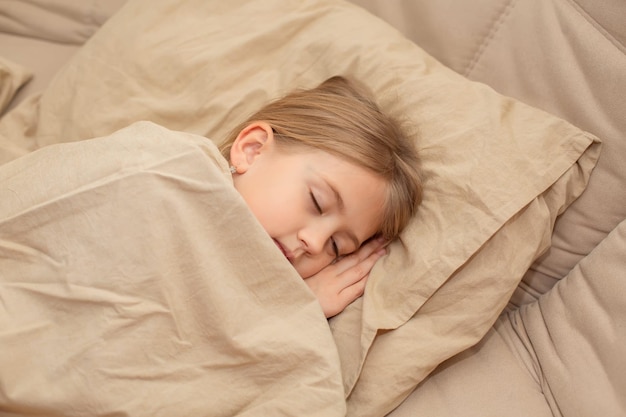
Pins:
x,y
331,179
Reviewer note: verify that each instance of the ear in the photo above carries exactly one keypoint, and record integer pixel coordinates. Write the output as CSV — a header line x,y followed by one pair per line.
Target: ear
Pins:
x,y
255,139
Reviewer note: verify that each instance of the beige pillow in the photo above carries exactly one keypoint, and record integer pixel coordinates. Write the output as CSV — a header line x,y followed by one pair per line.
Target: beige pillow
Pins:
x,y
579,76
583,48
497,172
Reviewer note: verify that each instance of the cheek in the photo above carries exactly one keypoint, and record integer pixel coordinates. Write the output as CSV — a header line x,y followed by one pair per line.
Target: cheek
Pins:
x,y
275,214
308,267
262,202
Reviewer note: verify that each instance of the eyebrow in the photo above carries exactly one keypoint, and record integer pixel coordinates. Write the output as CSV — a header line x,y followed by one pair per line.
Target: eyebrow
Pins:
x,y
341,206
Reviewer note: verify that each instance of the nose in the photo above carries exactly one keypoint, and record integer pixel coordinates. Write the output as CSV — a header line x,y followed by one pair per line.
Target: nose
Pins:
x,y
314,238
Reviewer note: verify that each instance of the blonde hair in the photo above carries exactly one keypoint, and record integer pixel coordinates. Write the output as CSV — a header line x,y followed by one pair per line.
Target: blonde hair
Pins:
x,y
339,117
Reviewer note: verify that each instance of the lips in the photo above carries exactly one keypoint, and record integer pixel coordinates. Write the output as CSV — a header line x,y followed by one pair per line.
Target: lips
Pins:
x,y
282,249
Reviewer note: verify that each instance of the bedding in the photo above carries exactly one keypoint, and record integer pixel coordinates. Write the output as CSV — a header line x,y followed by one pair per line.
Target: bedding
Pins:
x,y
561,355
126,289
43,34
559,351
497,172
583,46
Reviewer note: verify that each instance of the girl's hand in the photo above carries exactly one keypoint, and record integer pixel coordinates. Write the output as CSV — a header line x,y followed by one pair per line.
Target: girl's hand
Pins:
x,y
344,281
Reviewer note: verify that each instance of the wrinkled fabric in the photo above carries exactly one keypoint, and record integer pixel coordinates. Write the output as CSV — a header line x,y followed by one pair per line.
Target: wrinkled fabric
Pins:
x,y
497,172
134,281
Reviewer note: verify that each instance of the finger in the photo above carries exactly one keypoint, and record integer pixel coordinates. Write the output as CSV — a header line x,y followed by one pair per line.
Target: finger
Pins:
x,y
354,291
365,251
359,270
371,246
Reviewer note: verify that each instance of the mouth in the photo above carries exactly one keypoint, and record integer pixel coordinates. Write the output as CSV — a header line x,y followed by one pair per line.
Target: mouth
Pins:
x,y
282,249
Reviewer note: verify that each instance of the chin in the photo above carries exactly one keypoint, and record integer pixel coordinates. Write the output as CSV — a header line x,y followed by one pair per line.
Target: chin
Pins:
x,y
308,272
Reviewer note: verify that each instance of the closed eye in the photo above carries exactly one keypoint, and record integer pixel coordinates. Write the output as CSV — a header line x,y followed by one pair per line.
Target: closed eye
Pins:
x,y
315,203
335,248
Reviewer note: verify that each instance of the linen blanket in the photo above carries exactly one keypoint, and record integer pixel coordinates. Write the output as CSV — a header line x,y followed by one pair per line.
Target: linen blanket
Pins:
x,y
135,281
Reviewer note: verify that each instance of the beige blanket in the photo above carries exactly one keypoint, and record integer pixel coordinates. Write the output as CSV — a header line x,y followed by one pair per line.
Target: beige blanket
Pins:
x,y
134,281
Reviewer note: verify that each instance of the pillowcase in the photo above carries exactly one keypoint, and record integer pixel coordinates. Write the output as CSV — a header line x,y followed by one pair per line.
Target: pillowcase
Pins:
x,y
497,172
568,82
497,44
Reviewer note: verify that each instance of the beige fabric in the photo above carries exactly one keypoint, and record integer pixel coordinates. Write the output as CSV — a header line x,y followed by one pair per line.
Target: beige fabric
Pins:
x,y
61,21
559,356
584,73
493,378
497,172
136,282
578,73
42,59
12,78
578,334
42,34
450,30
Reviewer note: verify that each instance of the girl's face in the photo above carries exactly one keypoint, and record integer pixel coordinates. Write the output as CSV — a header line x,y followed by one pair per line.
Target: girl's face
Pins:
x,y
315,206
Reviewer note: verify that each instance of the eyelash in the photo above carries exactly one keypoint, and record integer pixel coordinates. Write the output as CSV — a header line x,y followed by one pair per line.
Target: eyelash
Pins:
x,y
320,211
